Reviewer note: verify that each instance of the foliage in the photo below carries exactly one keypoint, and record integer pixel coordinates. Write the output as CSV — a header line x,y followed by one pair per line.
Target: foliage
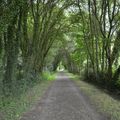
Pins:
x,y
95,31
48,76
36,36
28,31
17,105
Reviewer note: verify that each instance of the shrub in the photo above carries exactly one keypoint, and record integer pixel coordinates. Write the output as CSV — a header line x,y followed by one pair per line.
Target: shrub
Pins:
x,y
101,79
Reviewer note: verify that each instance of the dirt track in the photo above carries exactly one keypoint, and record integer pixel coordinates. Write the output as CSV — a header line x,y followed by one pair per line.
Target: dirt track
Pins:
x,y
63,101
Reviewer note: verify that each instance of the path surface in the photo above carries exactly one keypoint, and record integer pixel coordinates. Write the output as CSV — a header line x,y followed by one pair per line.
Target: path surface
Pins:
x,y
63,101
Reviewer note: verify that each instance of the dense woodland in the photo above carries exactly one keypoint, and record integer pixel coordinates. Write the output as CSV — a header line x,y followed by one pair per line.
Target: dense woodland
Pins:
x,y
36,35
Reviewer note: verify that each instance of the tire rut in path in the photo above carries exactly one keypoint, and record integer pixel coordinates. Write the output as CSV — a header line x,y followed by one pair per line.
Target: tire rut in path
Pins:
x,y
63,101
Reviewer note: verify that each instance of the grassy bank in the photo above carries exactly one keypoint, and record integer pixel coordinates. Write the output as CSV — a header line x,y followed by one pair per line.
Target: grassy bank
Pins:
x,y
104,102
20,104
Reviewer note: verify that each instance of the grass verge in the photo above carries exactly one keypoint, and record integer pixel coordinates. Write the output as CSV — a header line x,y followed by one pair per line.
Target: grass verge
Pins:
x,y
18,105
103,101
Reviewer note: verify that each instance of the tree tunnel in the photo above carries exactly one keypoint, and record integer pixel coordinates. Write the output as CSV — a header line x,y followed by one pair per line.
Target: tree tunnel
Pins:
x,y
63,57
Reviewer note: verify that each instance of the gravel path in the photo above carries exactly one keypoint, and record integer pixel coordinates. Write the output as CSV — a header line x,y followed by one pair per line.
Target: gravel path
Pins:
x,y
63,101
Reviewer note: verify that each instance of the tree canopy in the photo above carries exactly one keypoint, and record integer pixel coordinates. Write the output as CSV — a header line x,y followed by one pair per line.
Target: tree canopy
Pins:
x,y
37,34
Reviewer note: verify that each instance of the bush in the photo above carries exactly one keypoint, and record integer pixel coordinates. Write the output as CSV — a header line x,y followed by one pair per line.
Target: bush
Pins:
x,y
26,92
101,79
47,76
118,84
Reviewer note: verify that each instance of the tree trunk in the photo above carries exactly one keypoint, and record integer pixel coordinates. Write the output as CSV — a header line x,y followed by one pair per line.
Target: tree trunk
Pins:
x,y
10,55
116,74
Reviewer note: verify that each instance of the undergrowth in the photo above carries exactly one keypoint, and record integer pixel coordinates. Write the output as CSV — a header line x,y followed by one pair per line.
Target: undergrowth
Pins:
x,y
102,80
14,106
